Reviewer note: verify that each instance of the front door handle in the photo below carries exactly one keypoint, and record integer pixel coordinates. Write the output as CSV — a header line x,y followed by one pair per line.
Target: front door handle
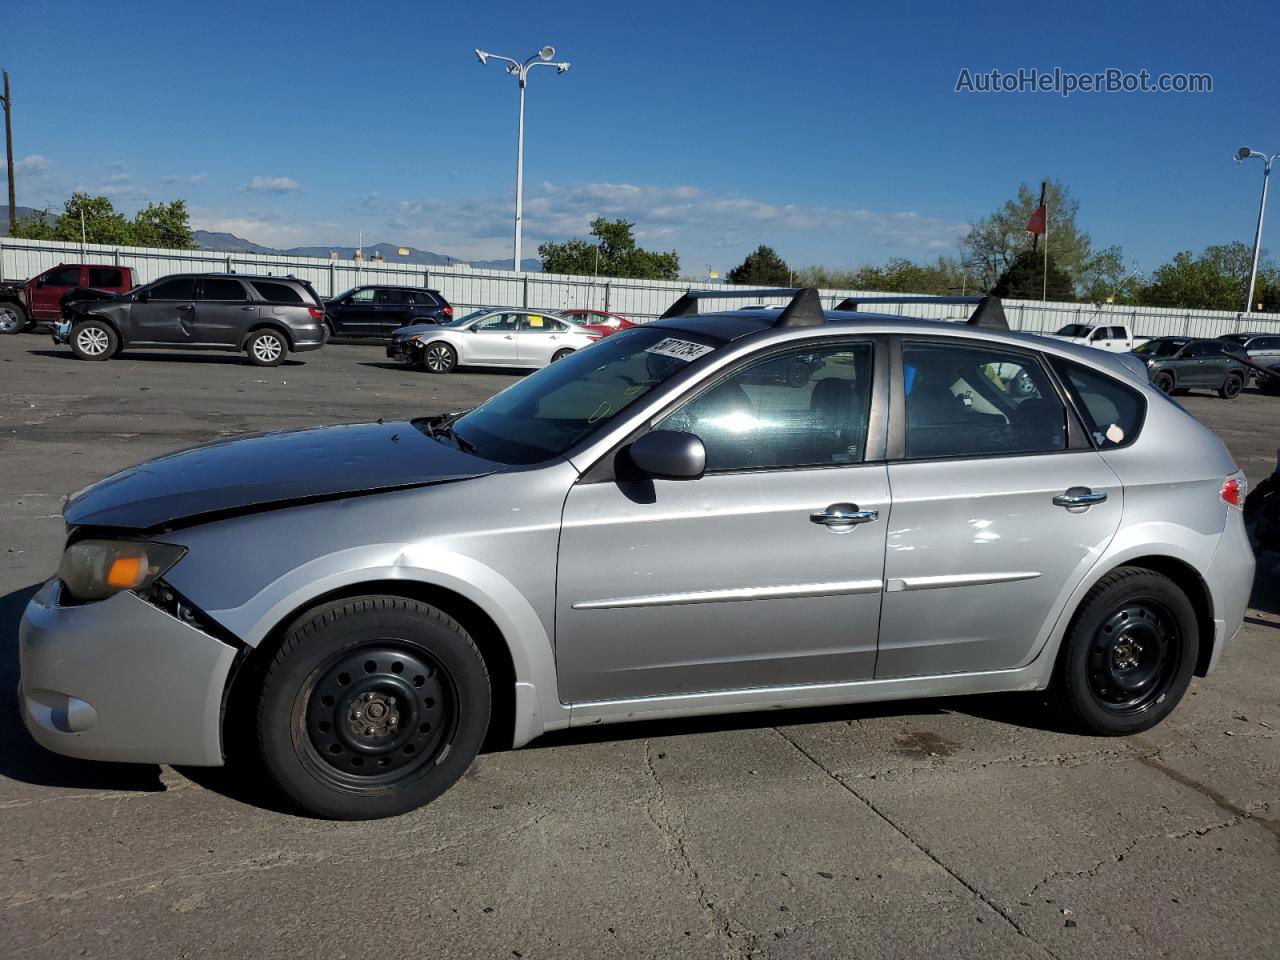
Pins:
x,y
251,309
185,306
843,515
1078,497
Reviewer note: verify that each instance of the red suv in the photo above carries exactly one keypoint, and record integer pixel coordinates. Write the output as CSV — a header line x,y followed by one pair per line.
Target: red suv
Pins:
x,y
597,321
39,300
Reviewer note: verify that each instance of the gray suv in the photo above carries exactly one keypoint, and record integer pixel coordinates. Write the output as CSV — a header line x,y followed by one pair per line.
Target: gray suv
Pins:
x,y
265,317
664,524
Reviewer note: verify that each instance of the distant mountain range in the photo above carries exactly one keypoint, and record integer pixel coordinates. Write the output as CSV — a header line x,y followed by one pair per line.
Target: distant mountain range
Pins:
x,y
390,252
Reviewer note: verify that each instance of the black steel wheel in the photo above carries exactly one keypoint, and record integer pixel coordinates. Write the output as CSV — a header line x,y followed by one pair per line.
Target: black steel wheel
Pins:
x,y
1231,386
378,713
1129,652
372,707
1163,381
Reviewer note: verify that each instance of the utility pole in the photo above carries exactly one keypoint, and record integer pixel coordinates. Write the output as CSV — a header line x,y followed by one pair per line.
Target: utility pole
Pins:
x,y
8,154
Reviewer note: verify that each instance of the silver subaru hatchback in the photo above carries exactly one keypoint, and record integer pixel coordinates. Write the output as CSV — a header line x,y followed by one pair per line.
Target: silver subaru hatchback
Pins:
x,y
731,511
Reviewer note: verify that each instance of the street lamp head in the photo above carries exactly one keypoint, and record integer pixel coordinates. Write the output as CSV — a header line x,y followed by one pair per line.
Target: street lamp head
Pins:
x,y
482,56
1243,154
546,53
562,67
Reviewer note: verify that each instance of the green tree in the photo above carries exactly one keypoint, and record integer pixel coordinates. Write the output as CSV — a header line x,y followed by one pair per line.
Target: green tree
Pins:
x,y
1215,280
163,225
1105,278
995,242
762,267
1025,279
159,225
614,255
943,277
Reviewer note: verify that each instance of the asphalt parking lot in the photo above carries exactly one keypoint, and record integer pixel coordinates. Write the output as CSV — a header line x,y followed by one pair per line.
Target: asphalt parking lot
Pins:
x,y
966,828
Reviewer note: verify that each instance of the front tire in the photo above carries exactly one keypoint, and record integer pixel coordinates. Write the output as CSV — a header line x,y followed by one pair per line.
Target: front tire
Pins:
x,y
438,357
266,348
94,340
13,318
1129,653
372,707
1231,386
1163,382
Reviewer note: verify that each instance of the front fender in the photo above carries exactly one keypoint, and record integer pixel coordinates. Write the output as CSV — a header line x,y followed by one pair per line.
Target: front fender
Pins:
x,y
538,706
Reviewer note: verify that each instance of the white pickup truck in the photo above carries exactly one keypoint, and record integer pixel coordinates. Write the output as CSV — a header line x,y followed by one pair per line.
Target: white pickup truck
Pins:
x,y
1115,337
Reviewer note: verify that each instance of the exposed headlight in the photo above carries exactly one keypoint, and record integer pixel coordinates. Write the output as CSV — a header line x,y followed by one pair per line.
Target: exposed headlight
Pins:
x,y
96,569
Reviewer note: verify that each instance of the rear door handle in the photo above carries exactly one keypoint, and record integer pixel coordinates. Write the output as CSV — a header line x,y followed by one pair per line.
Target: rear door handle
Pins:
x,y
1078,497
843,515
249,308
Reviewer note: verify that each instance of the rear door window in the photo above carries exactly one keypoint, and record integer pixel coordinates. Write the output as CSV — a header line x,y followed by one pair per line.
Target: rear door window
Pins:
x,y
391,297
966,400
222,288
105,277
1112,412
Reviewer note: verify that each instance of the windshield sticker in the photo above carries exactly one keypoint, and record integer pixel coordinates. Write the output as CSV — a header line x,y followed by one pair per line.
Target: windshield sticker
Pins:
x,y
685,350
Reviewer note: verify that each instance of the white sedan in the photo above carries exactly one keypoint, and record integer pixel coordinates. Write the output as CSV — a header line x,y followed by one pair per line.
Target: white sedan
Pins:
x,y
492,337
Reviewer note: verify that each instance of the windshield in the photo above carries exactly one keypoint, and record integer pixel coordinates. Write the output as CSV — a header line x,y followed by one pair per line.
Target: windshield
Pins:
x,y
457,321
1159,348
1074,330
549,412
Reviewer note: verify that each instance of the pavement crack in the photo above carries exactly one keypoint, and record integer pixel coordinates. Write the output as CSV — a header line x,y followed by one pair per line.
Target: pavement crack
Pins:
x,y
737,942
1218,798
901,831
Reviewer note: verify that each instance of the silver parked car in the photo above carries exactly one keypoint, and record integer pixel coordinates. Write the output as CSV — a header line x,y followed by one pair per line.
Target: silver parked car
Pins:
x,y
491,337
670,523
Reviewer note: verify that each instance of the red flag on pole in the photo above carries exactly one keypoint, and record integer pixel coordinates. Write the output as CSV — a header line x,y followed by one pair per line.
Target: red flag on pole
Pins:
x,y
1036,223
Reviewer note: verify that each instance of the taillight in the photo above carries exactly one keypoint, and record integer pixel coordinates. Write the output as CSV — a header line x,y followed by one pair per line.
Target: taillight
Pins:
x,y
316,313
448,311
594,336
1234,490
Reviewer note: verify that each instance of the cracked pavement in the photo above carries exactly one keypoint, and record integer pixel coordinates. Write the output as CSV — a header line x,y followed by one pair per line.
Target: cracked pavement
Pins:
x,y
973,827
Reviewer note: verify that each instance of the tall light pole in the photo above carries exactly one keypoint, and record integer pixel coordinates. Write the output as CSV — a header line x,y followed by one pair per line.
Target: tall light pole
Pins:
x,y
1243,154
8,152
521,72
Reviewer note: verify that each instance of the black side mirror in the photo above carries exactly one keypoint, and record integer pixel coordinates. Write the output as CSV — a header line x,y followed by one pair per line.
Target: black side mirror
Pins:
x,y
143,297
40,284
670,454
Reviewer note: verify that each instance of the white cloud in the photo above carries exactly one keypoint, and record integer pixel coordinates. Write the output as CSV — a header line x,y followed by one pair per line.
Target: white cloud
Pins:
x,y
189,179
33,163
268,228
271,185
697,223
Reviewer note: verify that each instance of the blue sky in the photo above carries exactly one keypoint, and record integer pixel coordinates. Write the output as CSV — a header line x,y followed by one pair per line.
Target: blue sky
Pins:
x,y
831,131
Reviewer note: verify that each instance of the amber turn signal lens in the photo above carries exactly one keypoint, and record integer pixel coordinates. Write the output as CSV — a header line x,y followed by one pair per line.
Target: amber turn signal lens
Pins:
x,y
126,572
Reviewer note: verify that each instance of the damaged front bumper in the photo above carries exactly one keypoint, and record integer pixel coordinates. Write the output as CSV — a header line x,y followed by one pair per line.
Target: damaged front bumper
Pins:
x,y
121,680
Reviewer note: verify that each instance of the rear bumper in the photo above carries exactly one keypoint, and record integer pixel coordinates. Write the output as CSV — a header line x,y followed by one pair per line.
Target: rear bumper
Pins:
x,y
121,680
310,337
1230,582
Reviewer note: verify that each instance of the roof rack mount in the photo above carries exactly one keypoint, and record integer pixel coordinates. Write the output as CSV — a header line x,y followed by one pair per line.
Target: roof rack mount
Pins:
x,y
804,310
988,312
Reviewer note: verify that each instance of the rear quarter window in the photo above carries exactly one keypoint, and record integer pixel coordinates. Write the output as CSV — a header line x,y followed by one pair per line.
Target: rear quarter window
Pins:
x,y
1113,412
276,292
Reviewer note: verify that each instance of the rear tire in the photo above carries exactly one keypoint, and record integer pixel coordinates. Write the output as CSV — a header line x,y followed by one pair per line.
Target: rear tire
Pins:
x,y
1231,386
1129,653
266,348
560,355
372,707
1163,382
94,340
13,318
438,357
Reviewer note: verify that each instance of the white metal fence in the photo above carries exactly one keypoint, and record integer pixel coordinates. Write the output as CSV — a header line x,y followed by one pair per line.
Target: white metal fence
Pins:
x,y
640,300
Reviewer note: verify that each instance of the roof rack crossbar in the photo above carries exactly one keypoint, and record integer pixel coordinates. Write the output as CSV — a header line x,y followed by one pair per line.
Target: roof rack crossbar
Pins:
x,y
804,310
988,311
